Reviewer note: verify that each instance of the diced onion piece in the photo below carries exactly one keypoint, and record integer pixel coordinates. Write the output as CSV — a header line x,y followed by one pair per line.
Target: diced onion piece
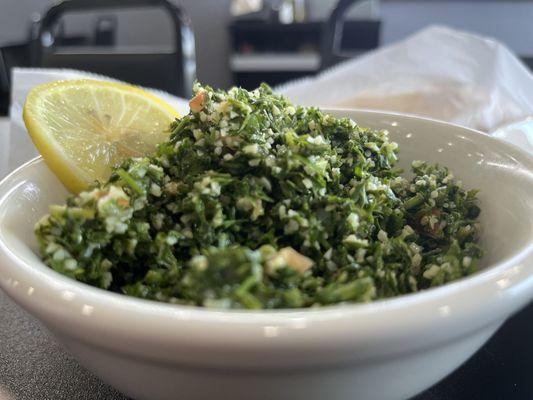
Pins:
x,y
295,260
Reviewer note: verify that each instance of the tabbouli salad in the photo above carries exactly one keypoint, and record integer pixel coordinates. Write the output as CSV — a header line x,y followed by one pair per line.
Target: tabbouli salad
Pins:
x,y
256,203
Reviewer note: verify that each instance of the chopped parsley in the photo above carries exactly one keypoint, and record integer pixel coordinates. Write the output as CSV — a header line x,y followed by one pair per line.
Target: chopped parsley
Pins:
x,y
256,203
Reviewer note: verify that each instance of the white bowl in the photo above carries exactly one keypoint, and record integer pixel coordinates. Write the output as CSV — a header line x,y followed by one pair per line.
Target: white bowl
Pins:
x,y
389,349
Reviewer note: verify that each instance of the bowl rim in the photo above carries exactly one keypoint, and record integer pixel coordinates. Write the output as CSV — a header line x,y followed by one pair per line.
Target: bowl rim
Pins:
x,y
406,312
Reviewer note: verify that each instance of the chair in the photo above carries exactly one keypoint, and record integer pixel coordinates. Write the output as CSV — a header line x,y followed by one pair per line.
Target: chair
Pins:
x,y
172,70
364,34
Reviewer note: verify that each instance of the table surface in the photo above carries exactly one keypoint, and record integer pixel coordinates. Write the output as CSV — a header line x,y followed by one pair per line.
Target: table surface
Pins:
x,y
34,366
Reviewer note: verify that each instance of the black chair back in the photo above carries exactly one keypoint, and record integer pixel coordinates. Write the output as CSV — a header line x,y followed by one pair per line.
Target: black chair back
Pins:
x,y
171,70
365,35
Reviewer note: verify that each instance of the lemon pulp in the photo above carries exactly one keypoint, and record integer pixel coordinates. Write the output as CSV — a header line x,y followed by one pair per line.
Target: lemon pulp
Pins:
x,y
84,127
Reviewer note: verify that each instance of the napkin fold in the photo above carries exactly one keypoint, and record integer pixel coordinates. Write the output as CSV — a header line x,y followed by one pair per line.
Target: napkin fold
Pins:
x,y
438,72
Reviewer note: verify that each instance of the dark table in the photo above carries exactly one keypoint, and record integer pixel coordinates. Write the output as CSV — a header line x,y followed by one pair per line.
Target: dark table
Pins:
x,y
34,367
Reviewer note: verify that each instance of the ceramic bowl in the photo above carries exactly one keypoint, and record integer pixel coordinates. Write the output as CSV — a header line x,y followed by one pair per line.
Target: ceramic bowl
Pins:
x,y
389,349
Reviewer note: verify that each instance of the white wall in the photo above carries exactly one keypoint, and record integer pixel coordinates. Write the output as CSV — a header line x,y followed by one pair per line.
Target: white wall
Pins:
x,y
508,21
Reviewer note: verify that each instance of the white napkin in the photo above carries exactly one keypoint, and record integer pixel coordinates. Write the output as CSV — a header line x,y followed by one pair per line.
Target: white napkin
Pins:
x,y
439,72
4,146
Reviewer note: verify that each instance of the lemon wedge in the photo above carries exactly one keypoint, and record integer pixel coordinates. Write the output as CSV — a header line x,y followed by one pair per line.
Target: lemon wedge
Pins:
x,y
84,127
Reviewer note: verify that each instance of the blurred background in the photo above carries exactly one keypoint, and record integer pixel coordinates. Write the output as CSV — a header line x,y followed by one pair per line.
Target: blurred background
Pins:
x,y
166,44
